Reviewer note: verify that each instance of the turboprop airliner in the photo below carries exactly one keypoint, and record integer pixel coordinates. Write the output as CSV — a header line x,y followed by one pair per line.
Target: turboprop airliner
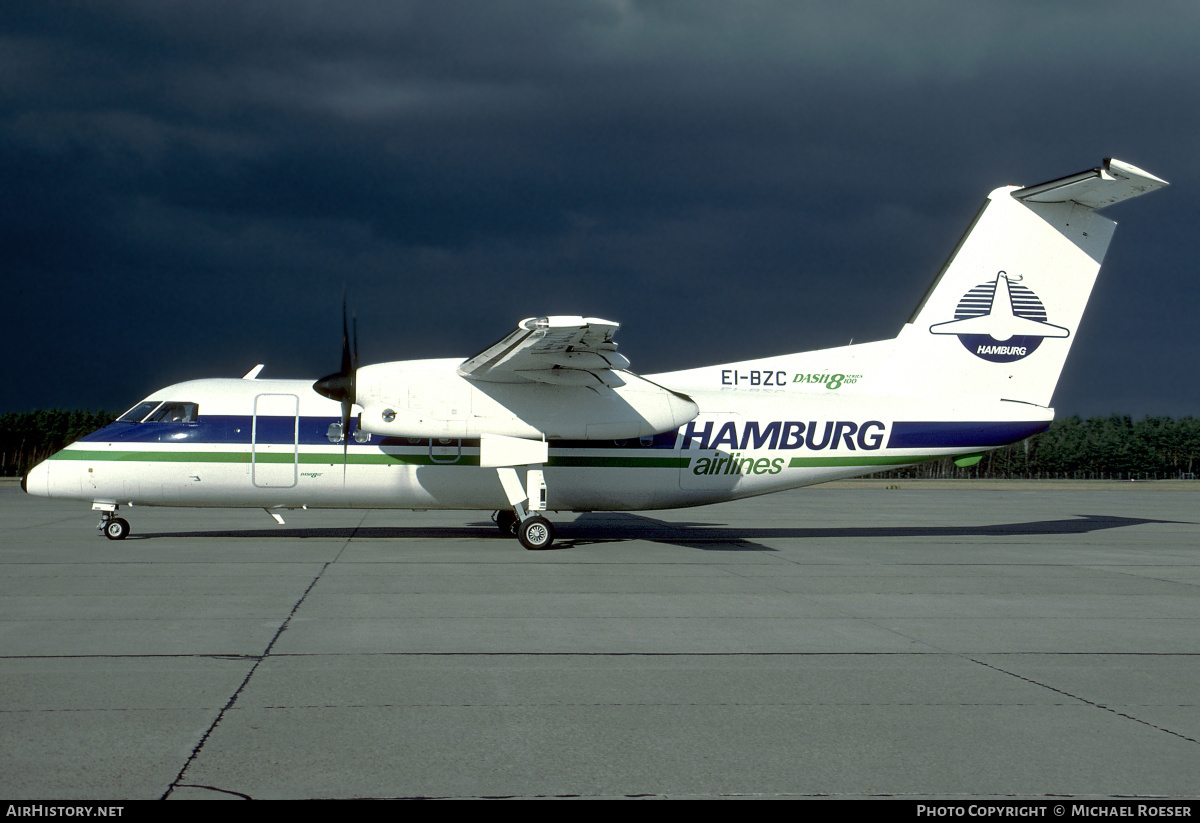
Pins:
x,y
552,419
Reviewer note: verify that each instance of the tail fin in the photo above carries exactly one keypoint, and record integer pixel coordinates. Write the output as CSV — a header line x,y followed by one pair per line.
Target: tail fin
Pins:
x,y
1000,317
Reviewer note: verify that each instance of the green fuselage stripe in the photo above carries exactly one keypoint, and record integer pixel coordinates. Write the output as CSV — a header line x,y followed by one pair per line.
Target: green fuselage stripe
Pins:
x,y
884,460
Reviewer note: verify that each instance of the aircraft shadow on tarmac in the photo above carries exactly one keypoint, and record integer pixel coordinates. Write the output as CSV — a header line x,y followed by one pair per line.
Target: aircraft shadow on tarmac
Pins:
x,y
611,527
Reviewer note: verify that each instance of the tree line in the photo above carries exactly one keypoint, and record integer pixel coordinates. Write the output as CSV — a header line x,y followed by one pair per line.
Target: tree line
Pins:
x,y
27,438
1099,448
1114,447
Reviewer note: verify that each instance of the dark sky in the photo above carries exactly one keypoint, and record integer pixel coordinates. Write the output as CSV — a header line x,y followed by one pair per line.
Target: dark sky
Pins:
x,y
188,186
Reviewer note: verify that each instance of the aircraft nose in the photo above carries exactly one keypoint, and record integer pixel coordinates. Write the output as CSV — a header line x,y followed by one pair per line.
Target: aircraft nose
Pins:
x,y
37,481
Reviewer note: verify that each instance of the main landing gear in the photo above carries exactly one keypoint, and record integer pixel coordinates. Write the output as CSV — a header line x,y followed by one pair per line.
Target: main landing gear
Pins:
x,y
535,532
528,499
523,520
506,521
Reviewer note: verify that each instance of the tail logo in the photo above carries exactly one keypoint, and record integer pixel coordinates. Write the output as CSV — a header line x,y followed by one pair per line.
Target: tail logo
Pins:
x,y
1001,321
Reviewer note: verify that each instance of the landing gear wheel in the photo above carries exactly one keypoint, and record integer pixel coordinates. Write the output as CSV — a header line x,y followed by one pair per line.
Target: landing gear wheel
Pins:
x,y
506,521
536,533
116,528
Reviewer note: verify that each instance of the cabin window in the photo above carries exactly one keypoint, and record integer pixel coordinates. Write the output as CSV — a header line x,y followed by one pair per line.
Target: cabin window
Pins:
x,y
174,412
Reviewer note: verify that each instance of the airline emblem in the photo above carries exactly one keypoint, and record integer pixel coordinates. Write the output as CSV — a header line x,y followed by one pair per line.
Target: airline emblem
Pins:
x,y
1001,321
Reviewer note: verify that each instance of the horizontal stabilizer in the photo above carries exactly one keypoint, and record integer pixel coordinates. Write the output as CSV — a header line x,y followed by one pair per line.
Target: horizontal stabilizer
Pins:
x,y
1096,188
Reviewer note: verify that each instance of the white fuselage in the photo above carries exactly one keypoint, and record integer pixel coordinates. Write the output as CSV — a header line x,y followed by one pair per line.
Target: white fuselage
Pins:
x,y
269,443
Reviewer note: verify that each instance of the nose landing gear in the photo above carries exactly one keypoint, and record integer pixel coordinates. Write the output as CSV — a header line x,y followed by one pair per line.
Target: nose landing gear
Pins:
x,y
111,526
114,528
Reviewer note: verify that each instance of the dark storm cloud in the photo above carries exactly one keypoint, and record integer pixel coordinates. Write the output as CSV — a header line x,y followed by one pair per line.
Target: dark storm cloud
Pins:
x,y
189,185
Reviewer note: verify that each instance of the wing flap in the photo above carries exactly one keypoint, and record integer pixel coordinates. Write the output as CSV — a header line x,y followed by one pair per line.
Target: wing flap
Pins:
x,y
566,350
571,377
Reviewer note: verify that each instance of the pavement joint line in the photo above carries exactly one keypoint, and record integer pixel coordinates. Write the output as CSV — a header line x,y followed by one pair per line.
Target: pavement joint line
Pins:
x,y
230,792
176,783
668,704
1083,700
520,653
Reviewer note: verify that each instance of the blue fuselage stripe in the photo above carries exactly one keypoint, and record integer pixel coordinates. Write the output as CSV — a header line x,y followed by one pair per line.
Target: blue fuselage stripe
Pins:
x,y
935,435
309,431
314,431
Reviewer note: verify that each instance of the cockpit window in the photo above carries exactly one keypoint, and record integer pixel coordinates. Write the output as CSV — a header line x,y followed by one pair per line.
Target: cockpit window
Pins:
x,y
156,411
138,413
172,412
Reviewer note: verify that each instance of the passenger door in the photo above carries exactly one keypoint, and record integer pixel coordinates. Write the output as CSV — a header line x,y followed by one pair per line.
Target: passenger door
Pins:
x,y
274,454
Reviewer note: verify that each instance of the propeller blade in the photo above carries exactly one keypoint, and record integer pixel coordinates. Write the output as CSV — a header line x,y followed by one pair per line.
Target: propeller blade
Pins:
x,y
340,386
347,363
346,404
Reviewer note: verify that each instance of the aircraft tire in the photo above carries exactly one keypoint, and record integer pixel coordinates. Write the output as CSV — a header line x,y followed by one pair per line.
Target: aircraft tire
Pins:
x,y
116,528
536,533
506,521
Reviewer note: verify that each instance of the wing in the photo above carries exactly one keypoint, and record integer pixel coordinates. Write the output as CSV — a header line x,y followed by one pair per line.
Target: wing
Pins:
x,y
560,351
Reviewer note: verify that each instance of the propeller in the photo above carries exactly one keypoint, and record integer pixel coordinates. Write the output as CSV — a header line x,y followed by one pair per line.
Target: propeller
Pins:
x,y
341,386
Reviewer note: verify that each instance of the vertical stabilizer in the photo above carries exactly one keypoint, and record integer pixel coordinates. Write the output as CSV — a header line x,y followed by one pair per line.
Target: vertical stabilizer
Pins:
x,y
1001,316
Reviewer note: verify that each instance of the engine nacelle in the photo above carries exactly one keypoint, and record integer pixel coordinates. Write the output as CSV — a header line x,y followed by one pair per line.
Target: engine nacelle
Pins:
x,y
430,399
